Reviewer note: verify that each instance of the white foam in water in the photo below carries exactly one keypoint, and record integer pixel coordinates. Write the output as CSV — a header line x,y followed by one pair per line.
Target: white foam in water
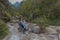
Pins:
x,y
14,37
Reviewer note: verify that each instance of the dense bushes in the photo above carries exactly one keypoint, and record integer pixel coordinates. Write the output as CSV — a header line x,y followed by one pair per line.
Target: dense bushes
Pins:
x,y
47,10
4,17
3,29
4,13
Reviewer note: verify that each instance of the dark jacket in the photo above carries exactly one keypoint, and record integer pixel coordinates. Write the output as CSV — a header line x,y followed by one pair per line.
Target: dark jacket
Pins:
x,y
22,25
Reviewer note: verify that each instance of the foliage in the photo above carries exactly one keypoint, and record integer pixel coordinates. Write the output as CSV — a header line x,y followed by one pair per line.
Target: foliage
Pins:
x,y
4,16
42,12
46,9
3,29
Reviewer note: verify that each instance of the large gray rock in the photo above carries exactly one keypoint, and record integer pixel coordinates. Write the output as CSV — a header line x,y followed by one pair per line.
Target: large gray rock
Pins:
x,y
36,29
33,28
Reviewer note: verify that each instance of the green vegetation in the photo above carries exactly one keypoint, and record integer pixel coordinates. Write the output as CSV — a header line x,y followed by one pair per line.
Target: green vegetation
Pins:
x,y
4,17
3,29
41,12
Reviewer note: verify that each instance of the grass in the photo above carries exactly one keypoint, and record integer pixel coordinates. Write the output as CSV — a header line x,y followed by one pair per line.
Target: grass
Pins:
x,y
55,22
3,30
44,22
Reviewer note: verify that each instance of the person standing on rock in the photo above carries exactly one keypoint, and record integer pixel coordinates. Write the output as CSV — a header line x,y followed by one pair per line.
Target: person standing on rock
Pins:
x,y
22,24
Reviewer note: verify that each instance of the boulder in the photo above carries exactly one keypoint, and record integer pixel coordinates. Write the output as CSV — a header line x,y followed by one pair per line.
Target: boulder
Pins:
x,y
36,29
33,28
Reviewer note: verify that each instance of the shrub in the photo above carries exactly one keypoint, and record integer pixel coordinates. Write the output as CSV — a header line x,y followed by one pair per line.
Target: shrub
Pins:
x,y
3,29
42,22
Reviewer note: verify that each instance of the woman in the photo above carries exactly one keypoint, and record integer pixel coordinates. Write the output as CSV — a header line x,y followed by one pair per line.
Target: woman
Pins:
x,y
22,24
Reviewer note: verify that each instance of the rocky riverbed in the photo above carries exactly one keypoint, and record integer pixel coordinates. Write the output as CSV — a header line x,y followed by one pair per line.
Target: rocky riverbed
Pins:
x,y
14,34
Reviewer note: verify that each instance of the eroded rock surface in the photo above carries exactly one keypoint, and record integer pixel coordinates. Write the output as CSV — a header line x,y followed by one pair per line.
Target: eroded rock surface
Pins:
x,y
16,35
